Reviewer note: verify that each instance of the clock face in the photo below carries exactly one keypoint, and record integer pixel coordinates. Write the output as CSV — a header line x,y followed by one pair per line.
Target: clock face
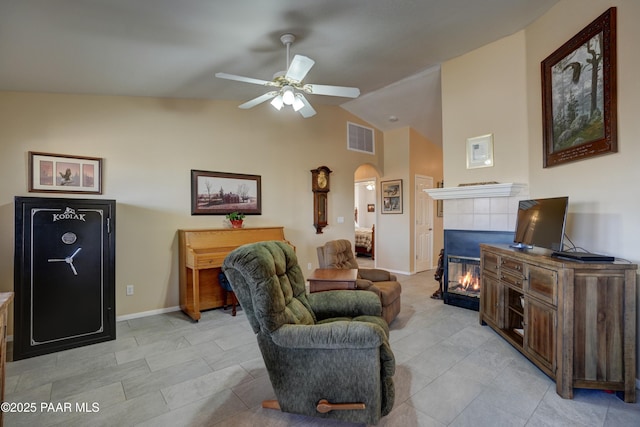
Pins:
x,y
322,179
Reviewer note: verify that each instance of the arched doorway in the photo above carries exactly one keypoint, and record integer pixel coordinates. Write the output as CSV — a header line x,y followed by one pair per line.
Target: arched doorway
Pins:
x,y
366,179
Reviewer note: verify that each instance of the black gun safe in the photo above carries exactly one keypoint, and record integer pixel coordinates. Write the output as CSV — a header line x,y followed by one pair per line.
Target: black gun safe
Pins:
x,y
64,274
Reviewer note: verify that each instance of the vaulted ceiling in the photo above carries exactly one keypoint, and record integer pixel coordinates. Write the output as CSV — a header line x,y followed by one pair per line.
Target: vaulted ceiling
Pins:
x,y
390,49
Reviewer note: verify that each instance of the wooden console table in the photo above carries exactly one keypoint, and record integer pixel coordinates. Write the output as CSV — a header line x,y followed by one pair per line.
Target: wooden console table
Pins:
x,y
327,279
575,321
201,253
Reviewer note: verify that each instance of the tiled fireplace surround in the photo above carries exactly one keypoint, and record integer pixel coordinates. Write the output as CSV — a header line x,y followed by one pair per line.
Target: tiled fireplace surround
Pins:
x,y
473,215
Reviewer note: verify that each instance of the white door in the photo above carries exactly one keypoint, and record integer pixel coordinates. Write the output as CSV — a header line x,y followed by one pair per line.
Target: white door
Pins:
x,y
424,224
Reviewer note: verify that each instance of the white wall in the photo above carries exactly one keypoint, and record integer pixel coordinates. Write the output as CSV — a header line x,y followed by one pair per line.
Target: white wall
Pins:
x,y
363,198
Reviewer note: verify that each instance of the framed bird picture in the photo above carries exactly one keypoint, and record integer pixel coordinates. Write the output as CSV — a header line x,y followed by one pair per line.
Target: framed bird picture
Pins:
x,y
579,95
63,173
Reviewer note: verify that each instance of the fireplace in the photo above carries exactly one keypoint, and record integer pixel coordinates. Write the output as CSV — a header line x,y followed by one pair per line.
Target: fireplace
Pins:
x,y
464,276
461,281
474,214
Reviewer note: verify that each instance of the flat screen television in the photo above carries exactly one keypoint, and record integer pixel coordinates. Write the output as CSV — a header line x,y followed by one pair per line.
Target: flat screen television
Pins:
x,y
540,223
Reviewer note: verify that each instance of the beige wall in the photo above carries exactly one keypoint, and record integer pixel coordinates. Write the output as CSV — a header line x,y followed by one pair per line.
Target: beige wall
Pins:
x,y
407,154
149,147
484,92
393,229
497,89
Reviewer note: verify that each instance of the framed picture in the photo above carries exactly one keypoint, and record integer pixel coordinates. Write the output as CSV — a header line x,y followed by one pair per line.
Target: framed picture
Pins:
x,y
579,95
220,193
371,207
64,173
480,151
391,196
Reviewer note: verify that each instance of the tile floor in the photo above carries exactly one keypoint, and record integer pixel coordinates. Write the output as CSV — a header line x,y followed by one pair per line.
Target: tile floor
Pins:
x,y
165,370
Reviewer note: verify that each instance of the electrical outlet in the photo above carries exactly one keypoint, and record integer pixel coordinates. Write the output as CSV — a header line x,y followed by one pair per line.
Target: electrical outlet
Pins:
x,y
340,220
129,289
309,266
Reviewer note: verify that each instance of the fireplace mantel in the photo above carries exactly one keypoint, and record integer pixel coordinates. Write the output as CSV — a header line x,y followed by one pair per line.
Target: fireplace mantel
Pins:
x,y
476,191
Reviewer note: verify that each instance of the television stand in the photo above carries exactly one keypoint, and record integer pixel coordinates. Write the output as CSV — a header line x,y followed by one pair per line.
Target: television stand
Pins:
x,y
576,321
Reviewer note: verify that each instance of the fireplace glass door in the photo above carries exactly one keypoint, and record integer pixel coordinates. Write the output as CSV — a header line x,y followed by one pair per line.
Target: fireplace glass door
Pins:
x,y
463,280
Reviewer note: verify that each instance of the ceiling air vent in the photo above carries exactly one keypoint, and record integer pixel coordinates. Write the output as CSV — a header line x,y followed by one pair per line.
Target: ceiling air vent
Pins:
x,y
360,138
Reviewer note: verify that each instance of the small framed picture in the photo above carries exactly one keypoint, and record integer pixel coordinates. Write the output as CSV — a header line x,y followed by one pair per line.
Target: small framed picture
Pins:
x,y
480,151
371,208
391,196
64,173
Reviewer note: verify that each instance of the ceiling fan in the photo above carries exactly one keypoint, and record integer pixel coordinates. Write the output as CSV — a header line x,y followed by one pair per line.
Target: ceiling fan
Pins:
x,y
289,85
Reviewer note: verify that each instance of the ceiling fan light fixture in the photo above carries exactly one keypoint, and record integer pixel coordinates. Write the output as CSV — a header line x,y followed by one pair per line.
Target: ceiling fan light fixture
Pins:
x,y
288,95
277,102
298,103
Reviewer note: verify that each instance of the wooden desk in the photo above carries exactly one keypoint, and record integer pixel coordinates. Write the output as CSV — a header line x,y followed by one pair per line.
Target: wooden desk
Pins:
x,y
5,300
328,279
201,253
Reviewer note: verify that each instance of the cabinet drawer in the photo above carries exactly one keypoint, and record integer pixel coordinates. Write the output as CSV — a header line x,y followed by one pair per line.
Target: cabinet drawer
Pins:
x,y
515,266
512,279
209,260
542,283
490,262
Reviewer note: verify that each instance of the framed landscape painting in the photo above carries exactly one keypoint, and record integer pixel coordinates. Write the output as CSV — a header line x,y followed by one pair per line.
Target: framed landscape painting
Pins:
x,y
579,104
220,193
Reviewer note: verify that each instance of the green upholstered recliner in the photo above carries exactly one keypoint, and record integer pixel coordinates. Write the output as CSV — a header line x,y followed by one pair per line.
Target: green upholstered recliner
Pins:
x,y
328,346
338,254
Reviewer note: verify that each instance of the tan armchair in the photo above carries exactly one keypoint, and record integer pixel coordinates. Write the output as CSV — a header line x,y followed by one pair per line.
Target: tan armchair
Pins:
x,y
338,254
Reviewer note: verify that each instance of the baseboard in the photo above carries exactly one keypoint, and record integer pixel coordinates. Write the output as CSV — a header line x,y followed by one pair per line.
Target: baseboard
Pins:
x,y
404,273
137,316
147,313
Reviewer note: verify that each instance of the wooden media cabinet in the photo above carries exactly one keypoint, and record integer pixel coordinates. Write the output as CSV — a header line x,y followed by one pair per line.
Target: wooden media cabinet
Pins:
x,y
575,321
201,253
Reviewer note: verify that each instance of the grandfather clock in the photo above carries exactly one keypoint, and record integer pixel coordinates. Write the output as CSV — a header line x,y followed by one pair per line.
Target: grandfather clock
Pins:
x,y
320,187
64,274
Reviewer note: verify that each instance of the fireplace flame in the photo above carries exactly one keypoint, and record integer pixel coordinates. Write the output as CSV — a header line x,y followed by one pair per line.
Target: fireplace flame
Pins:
x,y
469,281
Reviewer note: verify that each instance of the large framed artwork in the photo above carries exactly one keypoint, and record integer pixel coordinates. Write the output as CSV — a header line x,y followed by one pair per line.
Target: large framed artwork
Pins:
x,y
579,104
391,196
64,173
220,193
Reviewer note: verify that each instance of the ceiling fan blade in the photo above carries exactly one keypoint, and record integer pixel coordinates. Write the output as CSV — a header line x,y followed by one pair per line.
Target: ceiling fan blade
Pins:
x,y
307,110
259,100
242,79
347,92
299,68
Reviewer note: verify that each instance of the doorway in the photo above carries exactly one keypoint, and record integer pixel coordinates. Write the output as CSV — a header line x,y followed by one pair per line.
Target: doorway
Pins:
x,y
424,224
